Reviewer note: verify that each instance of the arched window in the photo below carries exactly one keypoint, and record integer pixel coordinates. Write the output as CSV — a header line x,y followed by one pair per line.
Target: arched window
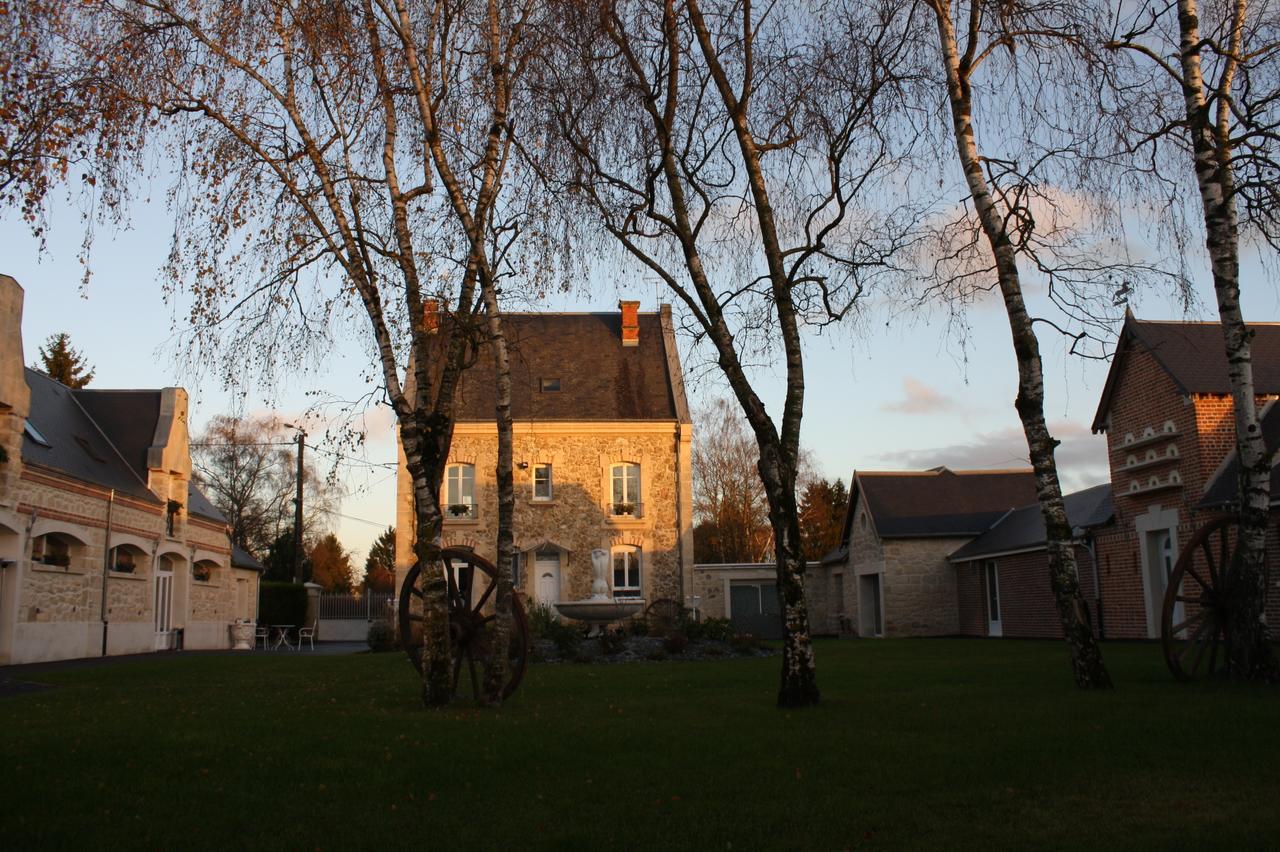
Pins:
x,y
51,549
164,564
125,559
626,572
460,491
202,571
625,493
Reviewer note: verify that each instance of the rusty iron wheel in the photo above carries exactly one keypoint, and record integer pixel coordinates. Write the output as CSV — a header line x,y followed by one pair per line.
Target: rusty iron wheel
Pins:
x,y
1195,644
468,619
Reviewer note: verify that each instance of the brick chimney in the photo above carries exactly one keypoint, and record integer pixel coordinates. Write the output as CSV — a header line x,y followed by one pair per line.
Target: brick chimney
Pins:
x,y
430,316
630,323
15,396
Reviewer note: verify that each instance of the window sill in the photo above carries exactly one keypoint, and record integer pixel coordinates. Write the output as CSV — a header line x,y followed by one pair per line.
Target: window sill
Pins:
x,y
626,520
461,522
41,568
126,575
208,584
550,502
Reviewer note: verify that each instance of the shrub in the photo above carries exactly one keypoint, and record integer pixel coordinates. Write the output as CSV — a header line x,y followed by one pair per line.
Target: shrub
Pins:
x,y
613,642
282,603
638,627
382,637
676,642
544,625
709,629
744,643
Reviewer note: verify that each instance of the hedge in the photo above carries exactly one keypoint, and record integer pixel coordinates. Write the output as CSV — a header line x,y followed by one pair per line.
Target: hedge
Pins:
x,y
282,603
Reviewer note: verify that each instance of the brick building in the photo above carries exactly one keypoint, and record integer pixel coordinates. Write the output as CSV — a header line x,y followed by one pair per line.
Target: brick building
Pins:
x,y
1167,414
106,544
603,451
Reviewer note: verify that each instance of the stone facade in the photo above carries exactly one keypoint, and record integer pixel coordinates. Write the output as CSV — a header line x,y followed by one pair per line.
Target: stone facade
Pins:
x,y
555,534
52,611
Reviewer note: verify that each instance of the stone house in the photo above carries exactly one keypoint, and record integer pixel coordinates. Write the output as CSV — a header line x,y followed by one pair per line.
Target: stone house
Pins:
x,y
603,451
891,575
1166,411
106,544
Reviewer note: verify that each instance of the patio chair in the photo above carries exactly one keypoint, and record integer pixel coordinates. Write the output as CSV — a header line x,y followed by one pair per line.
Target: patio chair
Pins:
x,y
309,634
261,633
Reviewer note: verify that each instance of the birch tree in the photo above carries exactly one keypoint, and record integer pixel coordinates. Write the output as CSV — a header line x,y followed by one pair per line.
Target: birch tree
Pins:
x,y
328,167
969,33
729,151
1219,63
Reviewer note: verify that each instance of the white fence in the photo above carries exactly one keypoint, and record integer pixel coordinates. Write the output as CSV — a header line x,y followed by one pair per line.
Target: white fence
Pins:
x,y
346,618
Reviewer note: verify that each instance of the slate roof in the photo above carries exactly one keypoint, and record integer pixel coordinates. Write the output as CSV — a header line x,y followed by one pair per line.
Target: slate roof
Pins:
x,y
940,502
600,379
241,558
128,419
198,504
1194,356
77,446
1023,528
1223,488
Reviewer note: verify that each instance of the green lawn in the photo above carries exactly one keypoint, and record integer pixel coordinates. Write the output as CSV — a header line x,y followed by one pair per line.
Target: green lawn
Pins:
x,y
918,743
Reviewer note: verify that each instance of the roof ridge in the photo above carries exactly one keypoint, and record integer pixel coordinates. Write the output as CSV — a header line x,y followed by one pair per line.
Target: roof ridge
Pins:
x,y
1198,322
972,472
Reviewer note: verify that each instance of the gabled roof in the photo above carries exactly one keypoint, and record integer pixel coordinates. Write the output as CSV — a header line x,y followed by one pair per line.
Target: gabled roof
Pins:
x,y
241,558
1222,491
939,502
1194,356
600,379
1023,528
128,419
74,443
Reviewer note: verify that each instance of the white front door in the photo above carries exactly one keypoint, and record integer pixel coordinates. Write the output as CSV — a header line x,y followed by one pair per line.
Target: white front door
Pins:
x,y
994,627
546,568
1160,560
164,610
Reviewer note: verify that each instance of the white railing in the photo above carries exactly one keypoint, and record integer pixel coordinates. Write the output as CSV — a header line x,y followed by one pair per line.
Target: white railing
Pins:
x,y
335,606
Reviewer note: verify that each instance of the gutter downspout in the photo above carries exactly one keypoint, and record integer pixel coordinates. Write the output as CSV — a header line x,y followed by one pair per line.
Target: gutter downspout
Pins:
x,y
106,568
684,593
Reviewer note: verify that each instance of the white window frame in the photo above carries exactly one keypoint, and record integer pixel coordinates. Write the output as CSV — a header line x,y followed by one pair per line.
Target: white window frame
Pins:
x,y
550,482
632,569
621,486
455,491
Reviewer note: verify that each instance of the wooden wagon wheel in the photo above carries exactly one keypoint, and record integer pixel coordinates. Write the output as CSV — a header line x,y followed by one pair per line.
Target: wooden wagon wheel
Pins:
x,y
469,633
1193,624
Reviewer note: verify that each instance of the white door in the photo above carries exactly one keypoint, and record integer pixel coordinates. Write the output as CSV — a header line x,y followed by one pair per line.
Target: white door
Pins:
x,y
546,568
164,610
993,601
1160,560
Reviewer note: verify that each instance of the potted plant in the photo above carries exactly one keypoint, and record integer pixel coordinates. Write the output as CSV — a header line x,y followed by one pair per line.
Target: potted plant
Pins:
x,y
459,509
624,508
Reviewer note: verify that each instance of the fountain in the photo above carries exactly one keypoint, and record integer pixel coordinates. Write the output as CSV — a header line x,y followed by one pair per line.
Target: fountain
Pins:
x,y
601,608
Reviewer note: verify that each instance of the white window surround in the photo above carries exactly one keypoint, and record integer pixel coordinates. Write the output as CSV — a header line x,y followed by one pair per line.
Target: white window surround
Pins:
x,y
460,492
625,497
543,482
627,572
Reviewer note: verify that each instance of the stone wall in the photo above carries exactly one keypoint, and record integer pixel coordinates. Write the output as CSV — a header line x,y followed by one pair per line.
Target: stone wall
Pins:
x,y
578,518
919,587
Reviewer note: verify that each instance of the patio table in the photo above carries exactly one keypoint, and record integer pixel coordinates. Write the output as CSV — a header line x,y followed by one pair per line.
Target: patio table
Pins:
x,y
282,636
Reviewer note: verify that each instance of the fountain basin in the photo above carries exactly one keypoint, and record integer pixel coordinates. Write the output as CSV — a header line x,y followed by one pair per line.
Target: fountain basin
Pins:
x,y
599,612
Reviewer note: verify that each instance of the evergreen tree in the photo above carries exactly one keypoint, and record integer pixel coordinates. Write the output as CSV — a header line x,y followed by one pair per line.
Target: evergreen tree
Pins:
x,y
379,567
64,362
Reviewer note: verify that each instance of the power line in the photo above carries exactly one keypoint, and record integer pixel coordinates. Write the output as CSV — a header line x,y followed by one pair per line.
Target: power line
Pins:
x,y
381,524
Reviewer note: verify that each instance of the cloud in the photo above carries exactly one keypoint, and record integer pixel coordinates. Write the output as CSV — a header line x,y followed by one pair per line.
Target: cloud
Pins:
x,y
919,398
1082,456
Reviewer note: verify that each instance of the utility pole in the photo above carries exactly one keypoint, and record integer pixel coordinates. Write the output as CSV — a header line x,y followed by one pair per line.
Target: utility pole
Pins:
x,y
297,513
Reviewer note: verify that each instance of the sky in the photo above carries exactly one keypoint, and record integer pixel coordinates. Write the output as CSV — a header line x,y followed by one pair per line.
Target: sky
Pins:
x,y
896,390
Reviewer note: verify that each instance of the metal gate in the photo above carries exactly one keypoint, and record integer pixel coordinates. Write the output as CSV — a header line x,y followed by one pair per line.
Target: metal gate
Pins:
x,y
346,618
